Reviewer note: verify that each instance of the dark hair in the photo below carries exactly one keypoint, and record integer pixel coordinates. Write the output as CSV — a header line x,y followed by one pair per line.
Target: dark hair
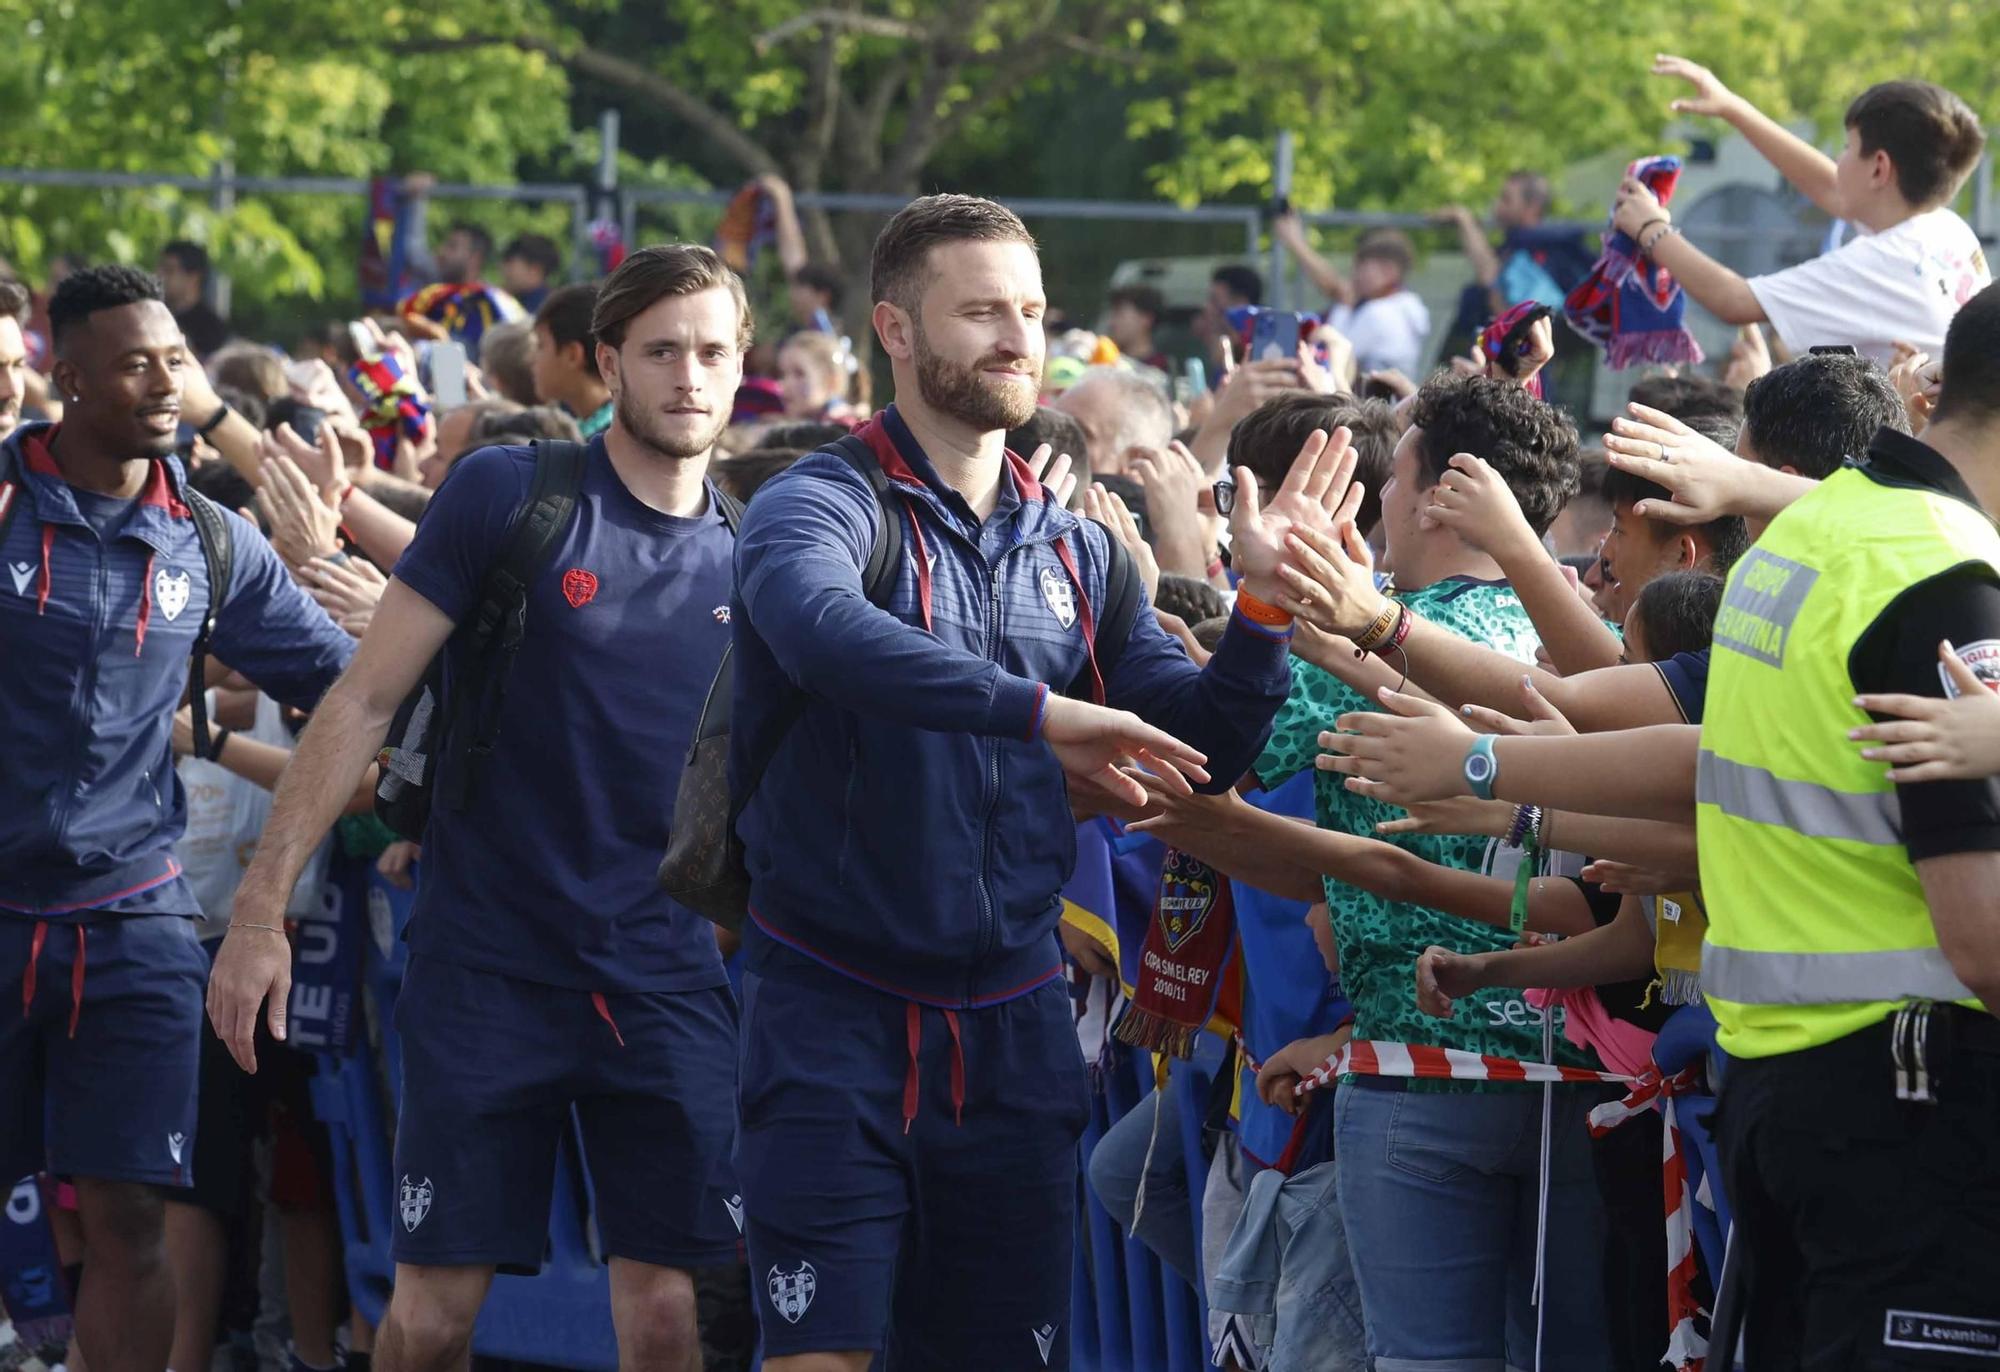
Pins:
x,y
1189,599
804,434
482,241
283,410
84,293
651,274
1387,245
224,485
537,250
1061,431
1268,438
1241,281
1932,137
899,269
817,276
1375,429
1529,442
251,407
15,302
250,367
523,424
400,497
1677,613
1686,397
566,314
189,256
1209,632
747,473
1534,186
1970,371
1728,537
1815,412
1141,297
1592,468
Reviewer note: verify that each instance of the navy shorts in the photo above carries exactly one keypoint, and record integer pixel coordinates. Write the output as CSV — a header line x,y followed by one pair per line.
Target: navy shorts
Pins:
x,y
99,1064
948,1245
492,1066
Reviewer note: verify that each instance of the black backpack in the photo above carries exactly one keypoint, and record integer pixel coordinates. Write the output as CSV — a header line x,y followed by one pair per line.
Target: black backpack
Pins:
x,y
218,553
439,741
704,867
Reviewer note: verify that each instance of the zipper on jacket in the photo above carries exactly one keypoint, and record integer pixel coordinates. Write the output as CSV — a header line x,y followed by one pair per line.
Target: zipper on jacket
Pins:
x,y
991,749
86,692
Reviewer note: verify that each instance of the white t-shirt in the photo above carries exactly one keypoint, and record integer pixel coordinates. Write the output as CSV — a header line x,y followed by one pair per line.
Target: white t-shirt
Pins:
x,y
1903,283
1388,331
225,819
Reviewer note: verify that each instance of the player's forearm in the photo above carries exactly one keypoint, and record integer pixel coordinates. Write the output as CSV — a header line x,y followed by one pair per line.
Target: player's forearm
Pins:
x,y
336,749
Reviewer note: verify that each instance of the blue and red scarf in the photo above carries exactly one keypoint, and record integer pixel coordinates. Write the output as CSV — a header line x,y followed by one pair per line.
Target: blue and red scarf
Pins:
x,y
1631,306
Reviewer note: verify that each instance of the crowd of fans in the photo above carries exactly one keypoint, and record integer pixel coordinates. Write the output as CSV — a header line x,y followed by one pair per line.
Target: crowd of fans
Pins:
x,y
1296,798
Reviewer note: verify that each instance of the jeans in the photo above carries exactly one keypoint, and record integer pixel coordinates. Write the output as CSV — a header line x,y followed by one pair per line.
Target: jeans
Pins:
x,y
1287,1278
1440,1196
1166,1224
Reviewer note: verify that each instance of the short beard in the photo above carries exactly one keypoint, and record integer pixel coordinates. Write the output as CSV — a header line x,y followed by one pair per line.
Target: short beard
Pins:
x,y
645,427
967,396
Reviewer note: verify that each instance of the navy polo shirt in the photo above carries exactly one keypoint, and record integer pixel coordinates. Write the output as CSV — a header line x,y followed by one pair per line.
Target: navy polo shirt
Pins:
x,y
549,872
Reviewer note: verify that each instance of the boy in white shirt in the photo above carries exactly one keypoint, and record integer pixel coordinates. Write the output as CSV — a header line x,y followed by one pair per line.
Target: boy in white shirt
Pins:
x,y
1375,310
1910,146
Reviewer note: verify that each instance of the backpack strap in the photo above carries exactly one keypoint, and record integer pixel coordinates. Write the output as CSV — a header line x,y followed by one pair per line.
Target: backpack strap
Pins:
x,y
730,508
499,622
885,558
218,553
1123,592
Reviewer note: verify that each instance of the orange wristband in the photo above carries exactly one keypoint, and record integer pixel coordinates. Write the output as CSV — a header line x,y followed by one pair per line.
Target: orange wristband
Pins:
x,y
1257,612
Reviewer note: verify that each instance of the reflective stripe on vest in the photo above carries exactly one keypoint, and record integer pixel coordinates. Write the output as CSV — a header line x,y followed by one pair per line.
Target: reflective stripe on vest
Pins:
x,y
1753,978
1805,807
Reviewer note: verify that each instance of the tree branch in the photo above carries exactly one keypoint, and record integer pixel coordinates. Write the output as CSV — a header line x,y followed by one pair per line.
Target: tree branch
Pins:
x,y
628,75
878,26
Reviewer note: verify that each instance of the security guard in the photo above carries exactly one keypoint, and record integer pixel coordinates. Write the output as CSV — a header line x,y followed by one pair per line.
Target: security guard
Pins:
x,y
1853,953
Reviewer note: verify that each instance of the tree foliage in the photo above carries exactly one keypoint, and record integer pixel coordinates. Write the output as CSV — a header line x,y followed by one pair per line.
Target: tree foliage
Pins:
x,y
1406,106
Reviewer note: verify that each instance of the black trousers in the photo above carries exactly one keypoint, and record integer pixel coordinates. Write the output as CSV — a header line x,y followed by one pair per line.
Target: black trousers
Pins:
x,y
1869,1226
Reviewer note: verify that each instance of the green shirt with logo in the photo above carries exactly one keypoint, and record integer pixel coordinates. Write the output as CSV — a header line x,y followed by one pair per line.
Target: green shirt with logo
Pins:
x,y
1379,940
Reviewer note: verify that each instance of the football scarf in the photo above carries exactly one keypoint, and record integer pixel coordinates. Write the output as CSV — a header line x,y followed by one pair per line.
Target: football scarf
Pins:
x,y
1630,306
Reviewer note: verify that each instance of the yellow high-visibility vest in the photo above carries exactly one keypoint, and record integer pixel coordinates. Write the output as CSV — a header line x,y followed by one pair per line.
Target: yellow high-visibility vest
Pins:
x,y
1817,924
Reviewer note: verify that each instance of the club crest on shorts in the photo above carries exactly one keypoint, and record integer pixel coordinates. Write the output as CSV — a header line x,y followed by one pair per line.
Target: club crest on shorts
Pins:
x,y
1060,595
170,592
792,1292
416,1202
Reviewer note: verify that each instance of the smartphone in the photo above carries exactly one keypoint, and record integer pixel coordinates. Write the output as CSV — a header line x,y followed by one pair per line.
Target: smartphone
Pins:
x,y
1196,373
448,374
306,422
1832,350
1274,336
